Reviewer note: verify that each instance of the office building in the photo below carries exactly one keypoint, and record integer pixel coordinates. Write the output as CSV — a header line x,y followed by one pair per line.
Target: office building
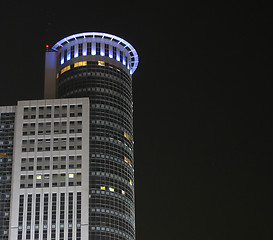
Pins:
x,y
73,164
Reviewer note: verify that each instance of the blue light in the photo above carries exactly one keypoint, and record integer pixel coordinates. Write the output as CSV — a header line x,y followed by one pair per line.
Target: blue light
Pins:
x,y
122,45
84,52
68,57
118,56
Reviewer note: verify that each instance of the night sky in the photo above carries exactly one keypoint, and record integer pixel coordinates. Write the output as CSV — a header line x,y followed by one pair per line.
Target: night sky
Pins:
x,y
202,105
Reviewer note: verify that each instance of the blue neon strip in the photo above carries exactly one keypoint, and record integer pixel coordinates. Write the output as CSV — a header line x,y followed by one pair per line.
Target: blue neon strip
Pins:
x,y
121,42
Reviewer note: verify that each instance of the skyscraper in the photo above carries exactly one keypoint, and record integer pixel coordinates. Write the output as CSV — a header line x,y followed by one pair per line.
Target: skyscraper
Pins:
x,y
73,165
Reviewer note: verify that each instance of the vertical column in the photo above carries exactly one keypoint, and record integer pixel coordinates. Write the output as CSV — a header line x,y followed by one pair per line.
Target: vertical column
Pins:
x,y
84,50
93,50
53,216
78,232
45,217
76,50
37,217
102,49
110,51
70,216
29,211
62,213
20,217
62,57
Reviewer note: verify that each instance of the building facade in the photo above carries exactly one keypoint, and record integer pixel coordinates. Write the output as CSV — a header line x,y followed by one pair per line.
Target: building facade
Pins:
x,y
68,161
50,170
100,66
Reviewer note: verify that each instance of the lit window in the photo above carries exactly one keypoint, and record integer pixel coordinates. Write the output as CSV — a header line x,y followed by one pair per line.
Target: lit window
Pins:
x,y
127,136
101,63
123,192
65,69
39,176
79,64
71,175
111,189
131,183
128,161
102,188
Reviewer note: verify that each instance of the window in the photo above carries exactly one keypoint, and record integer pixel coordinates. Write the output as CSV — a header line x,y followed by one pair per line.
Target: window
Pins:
x,y
114,52
102,188
107,50
97,48
111,189
79,64
39,177
71,175
80,49
128,161
101,63
127,136
72,50
89,48
65,69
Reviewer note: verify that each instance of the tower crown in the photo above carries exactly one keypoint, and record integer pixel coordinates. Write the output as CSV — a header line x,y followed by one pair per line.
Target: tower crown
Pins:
x,y
97,44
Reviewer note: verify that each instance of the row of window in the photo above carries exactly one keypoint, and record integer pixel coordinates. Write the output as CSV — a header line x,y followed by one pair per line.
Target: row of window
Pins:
x,y
112,212
44,128
93,49
48,115
54,167
43,163
59,144
56,108
55,180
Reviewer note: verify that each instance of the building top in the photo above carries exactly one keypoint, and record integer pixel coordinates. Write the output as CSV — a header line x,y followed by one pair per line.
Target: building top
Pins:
x,y
96,37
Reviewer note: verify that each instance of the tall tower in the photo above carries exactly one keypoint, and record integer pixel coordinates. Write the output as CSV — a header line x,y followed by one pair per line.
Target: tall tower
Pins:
x,y
100,66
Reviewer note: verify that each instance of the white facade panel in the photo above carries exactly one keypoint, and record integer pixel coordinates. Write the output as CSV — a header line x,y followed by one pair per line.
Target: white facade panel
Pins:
x,y
50,183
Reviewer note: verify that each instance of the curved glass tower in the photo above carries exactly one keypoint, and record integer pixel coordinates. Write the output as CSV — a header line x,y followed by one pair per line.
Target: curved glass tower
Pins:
x,y
100,66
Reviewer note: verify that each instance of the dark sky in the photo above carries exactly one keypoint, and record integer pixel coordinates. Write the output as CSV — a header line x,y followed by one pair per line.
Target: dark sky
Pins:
x,y
202,105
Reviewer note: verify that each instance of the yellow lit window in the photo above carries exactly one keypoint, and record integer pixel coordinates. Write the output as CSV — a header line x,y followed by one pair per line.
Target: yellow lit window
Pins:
x,y
57,75
128,161
79,64
71,175
111,189
102,187
39,176
101,63
65,69
127,136
131,183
